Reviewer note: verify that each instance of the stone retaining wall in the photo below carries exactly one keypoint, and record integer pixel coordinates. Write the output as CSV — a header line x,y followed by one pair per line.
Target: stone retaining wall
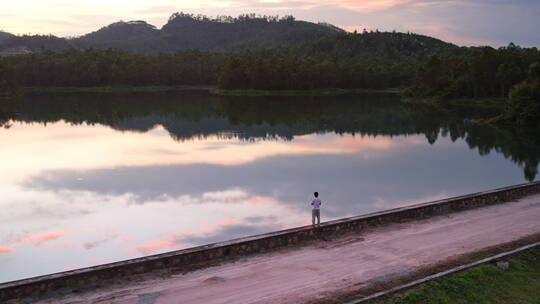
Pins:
x,y
188,259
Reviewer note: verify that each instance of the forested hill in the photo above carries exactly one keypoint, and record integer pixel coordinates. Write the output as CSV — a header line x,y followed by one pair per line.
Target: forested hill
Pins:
x,y
132,35
187,31
4,35
373,45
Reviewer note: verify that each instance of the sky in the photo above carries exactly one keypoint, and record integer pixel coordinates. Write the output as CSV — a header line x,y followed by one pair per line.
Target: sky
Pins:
x,y
464,22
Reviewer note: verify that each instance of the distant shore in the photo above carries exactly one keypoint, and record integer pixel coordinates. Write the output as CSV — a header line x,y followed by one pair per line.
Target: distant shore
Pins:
x,y
210,88
313,92
481,101
115,89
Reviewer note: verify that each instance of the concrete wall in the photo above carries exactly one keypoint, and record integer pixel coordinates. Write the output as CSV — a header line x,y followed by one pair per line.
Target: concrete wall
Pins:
x,y
196,257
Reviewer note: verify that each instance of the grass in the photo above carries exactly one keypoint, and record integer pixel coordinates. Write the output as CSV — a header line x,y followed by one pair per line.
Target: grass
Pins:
x,y
314,92
482,284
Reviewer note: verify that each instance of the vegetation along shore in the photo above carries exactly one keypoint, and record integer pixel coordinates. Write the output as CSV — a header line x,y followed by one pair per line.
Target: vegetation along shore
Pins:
x,y
275,56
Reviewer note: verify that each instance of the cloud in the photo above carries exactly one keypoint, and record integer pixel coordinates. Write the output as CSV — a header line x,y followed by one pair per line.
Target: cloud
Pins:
x,y
6,249
220,232
65,245
163,9
226,233
494,22
154,245
413,173
107,237
226,229
38,239
93,244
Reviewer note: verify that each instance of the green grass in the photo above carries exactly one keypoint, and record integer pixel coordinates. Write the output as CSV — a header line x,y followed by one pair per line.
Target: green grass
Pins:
x,y
482,284
314,92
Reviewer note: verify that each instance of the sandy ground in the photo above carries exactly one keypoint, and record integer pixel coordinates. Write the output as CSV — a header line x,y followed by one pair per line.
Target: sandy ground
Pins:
x,y
315,271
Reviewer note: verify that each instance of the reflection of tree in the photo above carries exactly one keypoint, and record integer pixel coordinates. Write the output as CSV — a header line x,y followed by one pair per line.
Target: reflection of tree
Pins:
x,y
197,114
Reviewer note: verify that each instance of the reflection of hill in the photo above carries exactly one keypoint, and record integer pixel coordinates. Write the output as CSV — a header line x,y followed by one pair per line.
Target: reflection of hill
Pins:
x,y
197,114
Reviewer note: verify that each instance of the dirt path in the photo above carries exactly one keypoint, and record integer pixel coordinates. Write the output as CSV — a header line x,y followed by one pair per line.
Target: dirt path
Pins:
x,y
309,273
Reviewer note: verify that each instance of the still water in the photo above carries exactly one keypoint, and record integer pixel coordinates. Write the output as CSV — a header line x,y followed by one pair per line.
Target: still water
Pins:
x,y
87,179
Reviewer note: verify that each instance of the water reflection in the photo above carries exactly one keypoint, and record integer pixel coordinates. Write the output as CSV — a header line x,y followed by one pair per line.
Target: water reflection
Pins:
x,y
91,178
194,115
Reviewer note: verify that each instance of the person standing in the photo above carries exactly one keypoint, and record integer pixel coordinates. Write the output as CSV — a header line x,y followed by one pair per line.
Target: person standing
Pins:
x,y
316,212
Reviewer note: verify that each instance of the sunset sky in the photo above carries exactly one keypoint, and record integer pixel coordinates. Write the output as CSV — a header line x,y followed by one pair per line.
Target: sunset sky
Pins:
x,y
472,22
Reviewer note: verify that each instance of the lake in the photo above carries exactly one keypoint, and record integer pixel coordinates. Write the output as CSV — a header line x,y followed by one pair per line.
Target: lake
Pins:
x,y
94,178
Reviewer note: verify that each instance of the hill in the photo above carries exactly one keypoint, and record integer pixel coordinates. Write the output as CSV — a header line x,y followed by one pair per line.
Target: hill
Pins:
x,y
245,31
4,36
265,35
186,31
369,60
389,46
35,43
131,35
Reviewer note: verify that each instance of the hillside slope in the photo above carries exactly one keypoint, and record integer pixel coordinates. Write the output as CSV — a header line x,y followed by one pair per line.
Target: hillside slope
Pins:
x,y
185,31
4,36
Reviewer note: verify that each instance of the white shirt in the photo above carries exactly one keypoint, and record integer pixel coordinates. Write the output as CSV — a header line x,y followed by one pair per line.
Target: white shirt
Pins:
x,y
316,203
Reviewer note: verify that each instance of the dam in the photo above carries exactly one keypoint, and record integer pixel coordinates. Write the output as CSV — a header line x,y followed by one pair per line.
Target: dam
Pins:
x,y
356,255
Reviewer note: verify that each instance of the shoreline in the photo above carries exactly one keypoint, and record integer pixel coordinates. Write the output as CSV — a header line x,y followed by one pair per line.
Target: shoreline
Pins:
x,y
116,89
311,92
475,102
212,89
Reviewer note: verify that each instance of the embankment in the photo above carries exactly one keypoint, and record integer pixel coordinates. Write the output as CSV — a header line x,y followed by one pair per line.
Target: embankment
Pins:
x,y
201,256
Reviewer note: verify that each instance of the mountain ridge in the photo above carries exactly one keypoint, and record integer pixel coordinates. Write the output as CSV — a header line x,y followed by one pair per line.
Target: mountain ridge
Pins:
x,y
5,35
245,33
184,31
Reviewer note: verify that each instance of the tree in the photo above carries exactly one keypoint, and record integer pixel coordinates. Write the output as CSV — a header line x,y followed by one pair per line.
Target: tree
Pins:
x,y
523,107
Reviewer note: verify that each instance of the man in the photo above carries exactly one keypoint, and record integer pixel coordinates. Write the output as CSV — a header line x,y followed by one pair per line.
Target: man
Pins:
x,y
316,212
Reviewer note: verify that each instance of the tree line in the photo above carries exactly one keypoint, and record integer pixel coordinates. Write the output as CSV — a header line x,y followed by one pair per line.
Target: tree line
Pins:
x,y
508,72
429,68
93,67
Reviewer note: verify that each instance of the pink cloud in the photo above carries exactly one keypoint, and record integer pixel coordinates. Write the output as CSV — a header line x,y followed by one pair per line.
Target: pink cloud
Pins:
x,y
65,245
38,239
445,33
126,240
112,234
6,249
170,241
226,222
94,260
257,200
368,5
153,245
355,5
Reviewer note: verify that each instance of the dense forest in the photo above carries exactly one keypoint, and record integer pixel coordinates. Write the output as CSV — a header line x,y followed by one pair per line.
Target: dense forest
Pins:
x,y
344,60
272,53
479,72
523,106
184,31
484,72
92,67
369,60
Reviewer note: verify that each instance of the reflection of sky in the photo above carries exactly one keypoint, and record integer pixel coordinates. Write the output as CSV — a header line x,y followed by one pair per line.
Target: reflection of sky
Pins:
x,y
77,196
